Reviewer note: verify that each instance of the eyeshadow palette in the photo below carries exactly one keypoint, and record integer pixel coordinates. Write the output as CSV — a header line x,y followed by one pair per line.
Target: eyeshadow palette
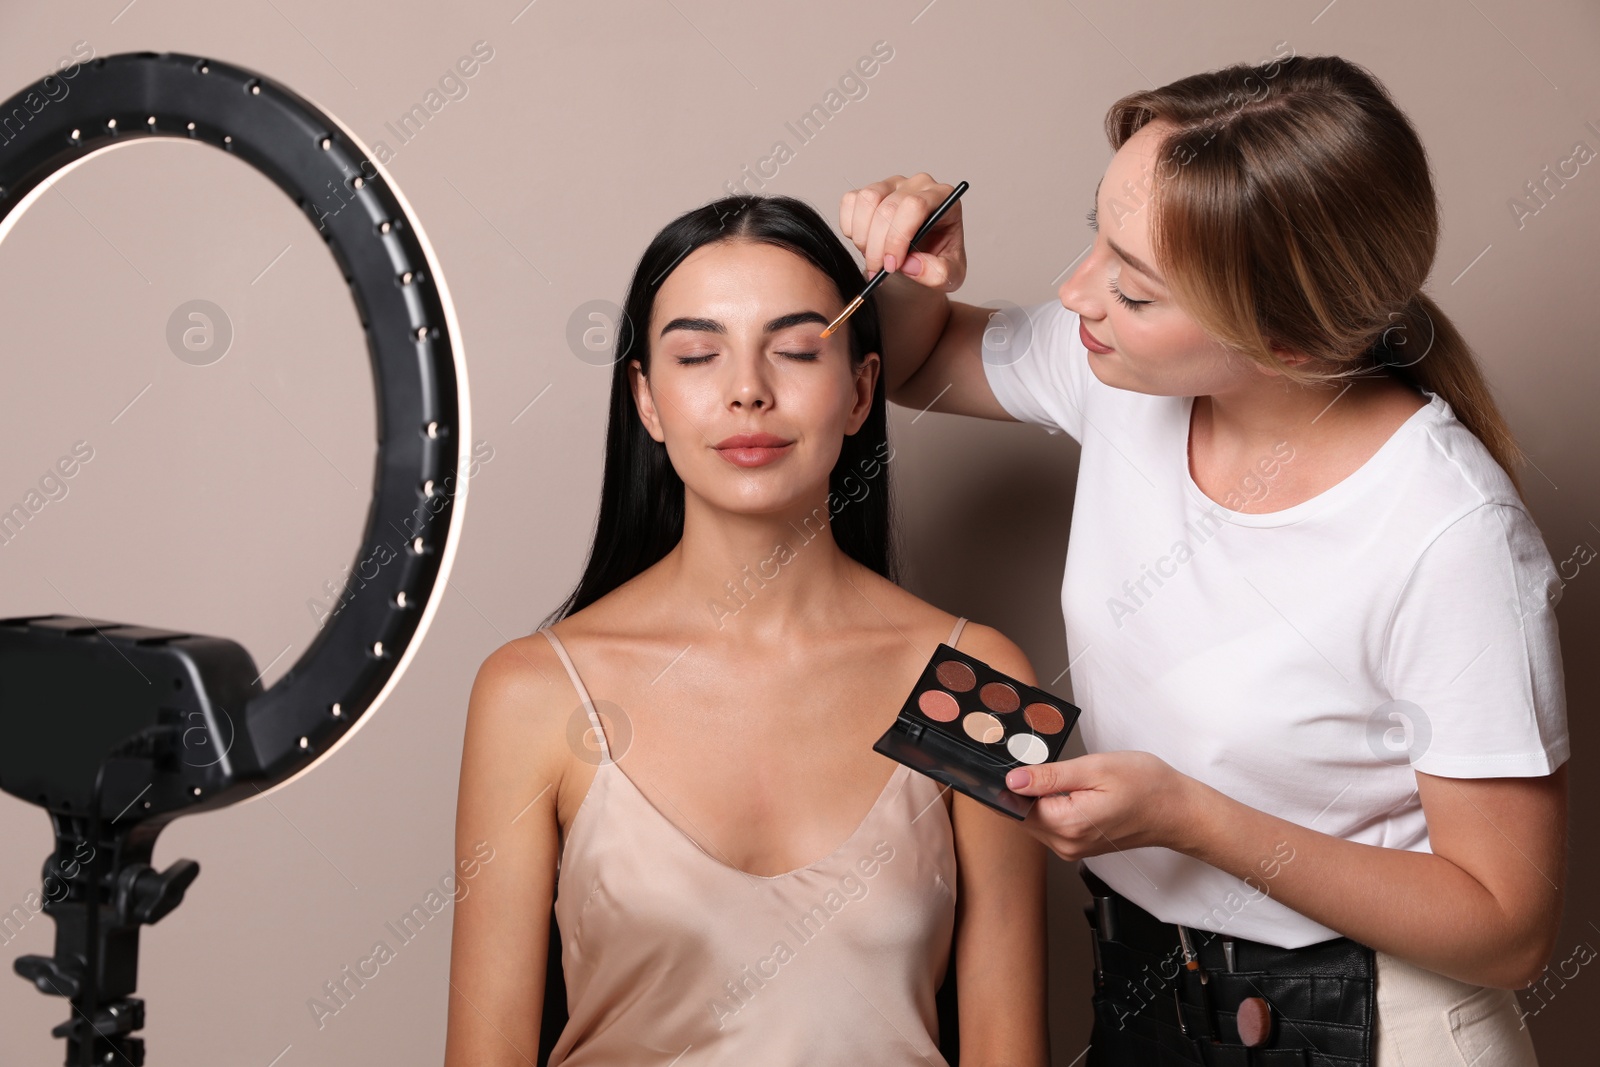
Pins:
x,y
966,724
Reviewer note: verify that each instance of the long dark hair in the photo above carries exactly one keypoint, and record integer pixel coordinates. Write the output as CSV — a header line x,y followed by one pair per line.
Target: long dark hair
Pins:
x,y
641,495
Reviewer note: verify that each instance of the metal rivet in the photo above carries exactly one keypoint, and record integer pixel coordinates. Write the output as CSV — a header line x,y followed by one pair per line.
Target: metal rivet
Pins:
x,y
190,127
377,648
227,138
400,600
384,227
338,710
255,90
77,135
416,545
111,124
432,429
357,182
427,487
305,743
405,279
151,121
422,333
327,143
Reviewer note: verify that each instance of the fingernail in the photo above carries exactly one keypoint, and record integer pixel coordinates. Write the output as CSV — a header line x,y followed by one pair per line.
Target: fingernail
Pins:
x,y
1017,778
912,265
888,263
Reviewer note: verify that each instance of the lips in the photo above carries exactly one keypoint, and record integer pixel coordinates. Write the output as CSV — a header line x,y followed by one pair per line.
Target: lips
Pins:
x,y
1088,339
753,449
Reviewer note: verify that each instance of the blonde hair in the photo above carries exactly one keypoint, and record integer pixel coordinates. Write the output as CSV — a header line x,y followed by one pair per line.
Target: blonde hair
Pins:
x,y
1293,208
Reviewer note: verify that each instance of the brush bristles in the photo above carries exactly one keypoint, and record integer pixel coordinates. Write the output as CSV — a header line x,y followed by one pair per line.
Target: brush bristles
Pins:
x,y
843,315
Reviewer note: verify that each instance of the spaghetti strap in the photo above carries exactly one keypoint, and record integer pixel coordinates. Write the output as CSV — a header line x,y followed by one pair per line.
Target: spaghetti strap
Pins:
x,y
955,634
583,694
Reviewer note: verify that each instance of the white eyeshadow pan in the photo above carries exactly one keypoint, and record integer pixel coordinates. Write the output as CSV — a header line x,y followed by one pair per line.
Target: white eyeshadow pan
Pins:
x,y
1028,748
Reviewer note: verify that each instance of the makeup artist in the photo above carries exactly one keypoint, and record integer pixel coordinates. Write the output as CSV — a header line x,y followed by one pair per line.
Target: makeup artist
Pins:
x,y
1309,618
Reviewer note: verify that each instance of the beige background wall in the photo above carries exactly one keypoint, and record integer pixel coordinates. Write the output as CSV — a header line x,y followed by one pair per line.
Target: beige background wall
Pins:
x,y
220,498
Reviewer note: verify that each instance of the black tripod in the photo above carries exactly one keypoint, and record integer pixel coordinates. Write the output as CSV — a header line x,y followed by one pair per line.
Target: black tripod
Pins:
x,y
99,889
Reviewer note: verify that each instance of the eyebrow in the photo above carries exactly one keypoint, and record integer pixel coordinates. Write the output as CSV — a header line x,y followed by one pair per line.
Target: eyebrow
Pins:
x,y
782,322
1131,260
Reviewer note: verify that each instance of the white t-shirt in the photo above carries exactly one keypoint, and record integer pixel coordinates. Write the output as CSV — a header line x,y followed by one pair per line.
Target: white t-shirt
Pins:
x,y
1303,660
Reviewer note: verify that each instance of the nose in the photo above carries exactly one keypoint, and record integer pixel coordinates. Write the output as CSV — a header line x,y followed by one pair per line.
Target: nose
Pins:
x,y
1080,293
748,388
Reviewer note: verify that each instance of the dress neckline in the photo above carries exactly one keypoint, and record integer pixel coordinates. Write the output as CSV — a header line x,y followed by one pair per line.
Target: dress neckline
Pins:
x,y
890,788
608,764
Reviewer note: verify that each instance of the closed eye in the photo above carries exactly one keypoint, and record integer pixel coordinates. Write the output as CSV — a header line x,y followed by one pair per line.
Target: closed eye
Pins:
x,y
804,357
1131,304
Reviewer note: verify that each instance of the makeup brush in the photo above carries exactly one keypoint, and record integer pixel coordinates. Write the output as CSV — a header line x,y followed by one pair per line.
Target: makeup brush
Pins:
x,y
850,309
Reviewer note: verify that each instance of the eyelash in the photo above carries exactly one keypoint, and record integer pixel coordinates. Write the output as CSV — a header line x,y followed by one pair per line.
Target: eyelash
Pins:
x,y
1094,221
805,357
1131,305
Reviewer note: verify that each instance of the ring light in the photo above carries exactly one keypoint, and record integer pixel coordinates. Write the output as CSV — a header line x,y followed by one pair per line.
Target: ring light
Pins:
x,y
115,753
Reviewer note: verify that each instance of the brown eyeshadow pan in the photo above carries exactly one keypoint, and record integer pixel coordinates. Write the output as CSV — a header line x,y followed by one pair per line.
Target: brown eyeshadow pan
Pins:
x,y
940,707
956,676
998,696
1043,718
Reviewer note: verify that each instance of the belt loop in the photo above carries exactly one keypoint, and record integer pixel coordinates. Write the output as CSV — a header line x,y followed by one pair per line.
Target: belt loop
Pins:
x,y
1105,919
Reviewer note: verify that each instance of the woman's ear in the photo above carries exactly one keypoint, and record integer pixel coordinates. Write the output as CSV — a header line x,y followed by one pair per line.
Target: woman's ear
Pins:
x,y
866,381
1288,357
639,384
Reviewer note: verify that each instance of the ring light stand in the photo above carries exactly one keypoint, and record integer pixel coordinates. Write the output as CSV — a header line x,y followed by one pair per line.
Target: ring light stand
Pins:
x,y
116,729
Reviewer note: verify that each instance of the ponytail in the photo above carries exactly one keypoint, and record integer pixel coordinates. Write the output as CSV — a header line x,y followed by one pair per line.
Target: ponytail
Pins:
x,y
1424,349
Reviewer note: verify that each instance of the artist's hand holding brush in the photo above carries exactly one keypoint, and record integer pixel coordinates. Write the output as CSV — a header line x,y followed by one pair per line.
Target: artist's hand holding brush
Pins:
x,y
882,218
927,337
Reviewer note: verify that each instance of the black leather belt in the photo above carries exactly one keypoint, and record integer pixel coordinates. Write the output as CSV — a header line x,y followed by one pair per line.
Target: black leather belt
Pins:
x,y
1166,995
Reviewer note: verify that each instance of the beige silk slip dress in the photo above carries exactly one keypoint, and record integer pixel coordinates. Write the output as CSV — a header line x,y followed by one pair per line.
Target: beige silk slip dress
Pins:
x,y
672,956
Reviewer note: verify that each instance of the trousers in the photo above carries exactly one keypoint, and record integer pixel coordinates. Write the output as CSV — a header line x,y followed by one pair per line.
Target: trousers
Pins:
x,y
1334,1004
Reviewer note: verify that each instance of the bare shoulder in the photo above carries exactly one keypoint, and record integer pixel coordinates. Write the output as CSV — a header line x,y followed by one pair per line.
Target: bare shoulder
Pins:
x,y
909,612
518,710
998,651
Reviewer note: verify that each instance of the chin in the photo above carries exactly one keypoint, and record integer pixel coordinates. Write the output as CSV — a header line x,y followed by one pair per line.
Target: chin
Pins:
x,y
1107,374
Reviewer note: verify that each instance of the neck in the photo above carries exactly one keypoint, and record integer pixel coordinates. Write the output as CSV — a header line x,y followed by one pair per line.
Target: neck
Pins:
x,y
1256,415
762,575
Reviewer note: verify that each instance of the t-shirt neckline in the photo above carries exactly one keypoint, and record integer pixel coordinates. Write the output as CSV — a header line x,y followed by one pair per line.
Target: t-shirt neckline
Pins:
x,y
1329,497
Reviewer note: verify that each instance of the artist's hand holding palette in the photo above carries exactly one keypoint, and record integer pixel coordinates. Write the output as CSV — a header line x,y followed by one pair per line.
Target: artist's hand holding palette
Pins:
x,y
966,724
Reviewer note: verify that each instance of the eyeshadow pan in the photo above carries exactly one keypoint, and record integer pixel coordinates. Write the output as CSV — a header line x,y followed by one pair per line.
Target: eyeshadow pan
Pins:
x,y
1027,748
998,696
1044,718
956,676
981,726
940,707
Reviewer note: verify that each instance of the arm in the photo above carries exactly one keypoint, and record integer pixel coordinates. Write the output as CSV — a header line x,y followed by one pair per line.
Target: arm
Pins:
x,y
932,345
1000,915
1484,907
511,769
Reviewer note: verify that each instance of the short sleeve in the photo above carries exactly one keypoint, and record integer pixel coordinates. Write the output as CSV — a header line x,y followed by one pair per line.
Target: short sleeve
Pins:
x,y
1040,373
1473,650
